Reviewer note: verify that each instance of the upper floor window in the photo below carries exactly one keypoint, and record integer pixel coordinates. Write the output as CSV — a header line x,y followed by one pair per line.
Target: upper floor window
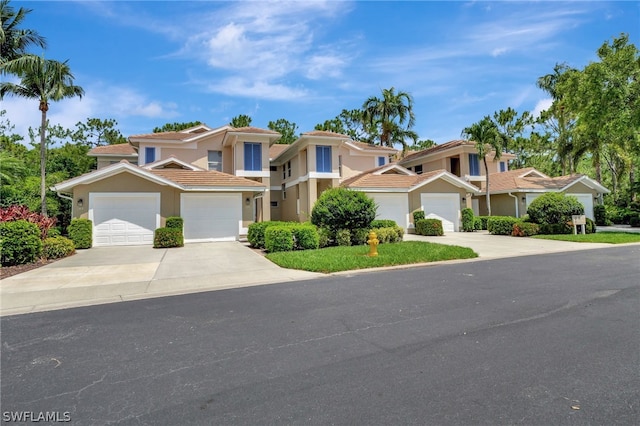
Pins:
x,y
474,165
288,168
503,166
382,161
214,159
340,165
252,156
149,155
323,159
418,169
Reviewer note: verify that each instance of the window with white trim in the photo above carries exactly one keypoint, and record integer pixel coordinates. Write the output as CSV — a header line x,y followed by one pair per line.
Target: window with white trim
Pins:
x,y
382,161
503,166
323,159
253,156
418,169
214,160
474,165
149,154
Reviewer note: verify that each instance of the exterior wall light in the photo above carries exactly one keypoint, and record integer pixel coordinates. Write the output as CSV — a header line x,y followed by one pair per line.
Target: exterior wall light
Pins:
x,y
247,201
80,202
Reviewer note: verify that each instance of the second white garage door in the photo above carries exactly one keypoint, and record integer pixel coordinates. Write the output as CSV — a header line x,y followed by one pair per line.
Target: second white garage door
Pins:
x,y
211,217
392,206
445,207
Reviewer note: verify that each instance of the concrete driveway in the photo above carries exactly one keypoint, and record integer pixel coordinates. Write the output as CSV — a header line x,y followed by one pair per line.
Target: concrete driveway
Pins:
x,y
115,274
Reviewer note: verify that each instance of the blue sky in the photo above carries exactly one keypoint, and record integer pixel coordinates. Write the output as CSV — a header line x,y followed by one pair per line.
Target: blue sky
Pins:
x,y
148,63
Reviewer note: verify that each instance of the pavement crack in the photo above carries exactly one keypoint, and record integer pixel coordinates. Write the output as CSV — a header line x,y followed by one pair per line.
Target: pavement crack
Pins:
x,y
76,392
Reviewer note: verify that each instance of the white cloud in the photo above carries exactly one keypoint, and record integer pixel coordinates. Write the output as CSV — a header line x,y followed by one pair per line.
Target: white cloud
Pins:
x,y
542,105
237,86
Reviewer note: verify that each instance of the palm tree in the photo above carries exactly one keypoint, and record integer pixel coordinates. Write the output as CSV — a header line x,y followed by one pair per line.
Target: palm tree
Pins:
x,y
14,41
391,115
11,169
487,137
45,80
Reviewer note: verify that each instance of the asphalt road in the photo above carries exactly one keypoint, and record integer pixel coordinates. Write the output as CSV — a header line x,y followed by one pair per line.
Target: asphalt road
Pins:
x,y
539,340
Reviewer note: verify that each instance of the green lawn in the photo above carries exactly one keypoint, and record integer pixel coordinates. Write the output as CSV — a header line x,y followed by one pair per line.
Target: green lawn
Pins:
x,y
335,259
598,237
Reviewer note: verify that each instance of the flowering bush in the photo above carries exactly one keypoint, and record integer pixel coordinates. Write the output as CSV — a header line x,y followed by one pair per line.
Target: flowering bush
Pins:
x,y
13,213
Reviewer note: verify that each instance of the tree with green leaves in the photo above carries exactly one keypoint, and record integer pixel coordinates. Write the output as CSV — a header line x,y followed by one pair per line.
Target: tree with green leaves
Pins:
x,y
513,125
391,117
241,120
487,138
286,128
15,40
422,144
96,132
176,127
350,123
44,80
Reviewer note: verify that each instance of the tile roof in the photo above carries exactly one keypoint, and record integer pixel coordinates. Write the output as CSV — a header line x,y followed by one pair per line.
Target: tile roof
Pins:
x,y
365,145
253,130
325,133
277,149
387,180
118,149
437,148
205,178
513,180
170,136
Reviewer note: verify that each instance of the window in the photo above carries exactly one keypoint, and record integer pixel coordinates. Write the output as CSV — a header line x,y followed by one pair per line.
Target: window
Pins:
x,y
418,169
252,156
503,166
149,155
274,204
382,161
340,165
323,159
214,159
288,168
474,165
273,168
284,192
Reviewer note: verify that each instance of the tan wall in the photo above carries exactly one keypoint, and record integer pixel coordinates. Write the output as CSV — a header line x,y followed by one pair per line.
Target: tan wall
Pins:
x,y
353,164
276,212
438,186
126,182
439,164
107,161
501,205
580,188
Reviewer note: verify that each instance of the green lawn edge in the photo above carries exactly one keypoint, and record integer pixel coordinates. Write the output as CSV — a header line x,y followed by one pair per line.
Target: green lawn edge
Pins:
x,y
338,259
598,237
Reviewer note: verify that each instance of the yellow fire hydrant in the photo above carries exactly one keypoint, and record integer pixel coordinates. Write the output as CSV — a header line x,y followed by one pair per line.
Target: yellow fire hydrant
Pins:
x,y
373,244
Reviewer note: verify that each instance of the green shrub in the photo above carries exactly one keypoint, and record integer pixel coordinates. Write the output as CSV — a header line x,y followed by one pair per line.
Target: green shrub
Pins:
x,y
383,223
501,225
57,247
431,227
556,228
341,208
305,236
477,223
634,221
591,227
468,220
278,238
255,233
81,233
525,229
483,222
168,238
417,215
175,222
360,236
554,208
20,242
390,234
600,215
343,237
324,237
54,232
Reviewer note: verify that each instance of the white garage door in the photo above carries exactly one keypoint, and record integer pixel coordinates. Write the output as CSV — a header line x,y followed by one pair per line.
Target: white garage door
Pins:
x,y
121,219
211,217
587,201
392,206
445,207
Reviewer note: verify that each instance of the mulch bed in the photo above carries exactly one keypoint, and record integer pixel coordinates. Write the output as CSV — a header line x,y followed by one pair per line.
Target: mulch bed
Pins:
x,y
8,271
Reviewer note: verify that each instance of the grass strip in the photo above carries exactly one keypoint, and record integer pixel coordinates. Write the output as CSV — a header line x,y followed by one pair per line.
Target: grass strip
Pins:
x,y
336,259
598,237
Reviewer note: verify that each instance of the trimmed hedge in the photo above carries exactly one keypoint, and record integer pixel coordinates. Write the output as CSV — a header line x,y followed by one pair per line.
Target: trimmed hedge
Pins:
x,y
417,215
305,237
554,208
477,224
57,247
383,223
431,227
168,238
256,232
324,237
501,225
360,236
278,238
525,229
483,222
20,242
389,234
600,215
81,233
175,222
556,228
341,208
343,237
468,220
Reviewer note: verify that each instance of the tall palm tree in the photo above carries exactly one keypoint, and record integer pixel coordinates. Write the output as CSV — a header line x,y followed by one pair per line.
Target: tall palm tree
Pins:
x,y
389,114
14,40
487,136
47,81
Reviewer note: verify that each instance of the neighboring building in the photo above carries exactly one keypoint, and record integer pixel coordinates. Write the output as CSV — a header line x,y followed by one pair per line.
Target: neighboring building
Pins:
x,y
511,192
222,180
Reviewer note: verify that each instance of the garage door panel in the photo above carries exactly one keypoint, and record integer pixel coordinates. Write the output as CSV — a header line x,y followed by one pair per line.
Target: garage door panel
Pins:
x,y
124,218
443,206
211,217
392,206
